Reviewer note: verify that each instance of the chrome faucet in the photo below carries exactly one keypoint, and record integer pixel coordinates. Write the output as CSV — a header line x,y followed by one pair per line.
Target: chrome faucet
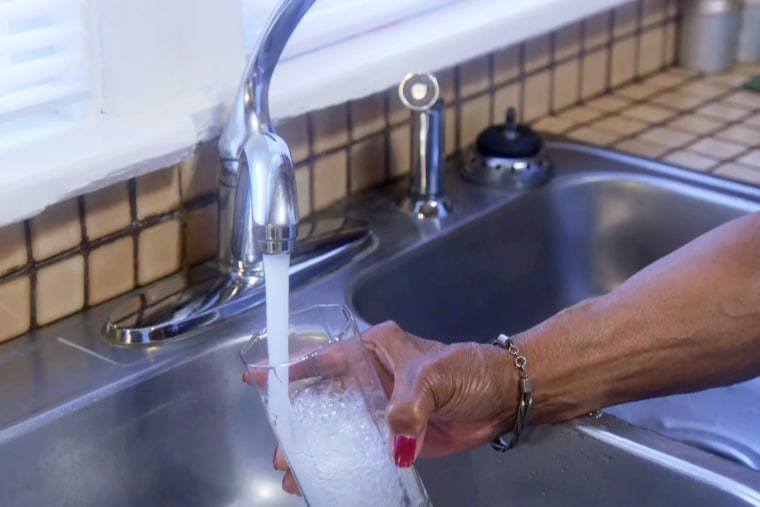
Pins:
x,y
258,208
258,214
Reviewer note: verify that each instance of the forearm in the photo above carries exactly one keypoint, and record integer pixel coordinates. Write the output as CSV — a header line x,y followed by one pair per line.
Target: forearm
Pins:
x,y
687,322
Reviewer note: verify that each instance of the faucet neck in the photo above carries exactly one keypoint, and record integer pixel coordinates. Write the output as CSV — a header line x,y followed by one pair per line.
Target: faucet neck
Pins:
x,y
249,113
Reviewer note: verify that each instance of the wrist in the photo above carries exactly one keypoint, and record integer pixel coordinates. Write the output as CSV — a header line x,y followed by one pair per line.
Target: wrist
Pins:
x,y
560,357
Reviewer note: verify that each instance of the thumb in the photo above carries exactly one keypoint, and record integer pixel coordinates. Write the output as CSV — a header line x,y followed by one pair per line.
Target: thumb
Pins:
x,y
408,412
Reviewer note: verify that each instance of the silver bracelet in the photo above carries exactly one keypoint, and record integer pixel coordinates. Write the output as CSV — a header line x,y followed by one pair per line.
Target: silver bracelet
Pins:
x,y
526,394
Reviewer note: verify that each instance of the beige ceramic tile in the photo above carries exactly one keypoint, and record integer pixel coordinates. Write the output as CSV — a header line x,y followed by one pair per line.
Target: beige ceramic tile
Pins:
x,y
330,179
717,148
13,253
696,123
741,134
295,131
367,115
663,80
643,148
671,43
566,84
108,210
475,116
504,98
201,237
744,98
111,270
636,91
724,111
592,135
691,160
157,192
753,121
303,189
702,88
473,77
536,96
621,125
447,83
653,11
686,73
672,7
609,103
15,307
199,173
626,19
651,50
330,128
596,30
739,172
506,64
537,53
158,250
667,136
581,114
751,159
567,41
623,61
60,289
594,73
400,147
368,163
649,113
56,229
729,78
553,125
679,100
397,111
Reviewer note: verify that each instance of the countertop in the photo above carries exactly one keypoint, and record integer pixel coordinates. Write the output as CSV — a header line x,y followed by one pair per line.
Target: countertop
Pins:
x,y
702,122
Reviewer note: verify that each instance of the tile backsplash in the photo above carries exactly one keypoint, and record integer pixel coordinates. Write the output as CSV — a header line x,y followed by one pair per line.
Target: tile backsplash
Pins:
x,y
87,250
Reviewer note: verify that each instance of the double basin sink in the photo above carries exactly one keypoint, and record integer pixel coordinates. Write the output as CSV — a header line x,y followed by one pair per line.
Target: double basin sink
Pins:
x,y
86,423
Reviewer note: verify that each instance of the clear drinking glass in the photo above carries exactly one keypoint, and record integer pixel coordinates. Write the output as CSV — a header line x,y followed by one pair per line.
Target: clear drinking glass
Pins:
x,y
326,406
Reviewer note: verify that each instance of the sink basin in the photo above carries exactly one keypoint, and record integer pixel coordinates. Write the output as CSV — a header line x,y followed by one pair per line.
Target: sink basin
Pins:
x,y
512,268
85,423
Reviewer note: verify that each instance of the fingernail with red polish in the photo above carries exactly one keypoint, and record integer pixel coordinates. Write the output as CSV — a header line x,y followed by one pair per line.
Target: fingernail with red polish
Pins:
x,y
247,378
405,448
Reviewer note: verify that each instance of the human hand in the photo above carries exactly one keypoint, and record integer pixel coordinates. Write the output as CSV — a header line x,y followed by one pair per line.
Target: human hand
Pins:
x,y
443,398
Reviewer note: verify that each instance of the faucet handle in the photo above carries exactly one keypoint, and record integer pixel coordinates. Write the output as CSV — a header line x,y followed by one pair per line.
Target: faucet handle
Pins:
x,y
426,198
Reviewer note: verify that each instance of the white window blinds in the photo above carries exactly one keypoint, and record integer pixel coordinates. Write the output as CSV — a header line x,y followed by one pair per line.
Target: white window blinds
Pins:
x,y
331,21
43,57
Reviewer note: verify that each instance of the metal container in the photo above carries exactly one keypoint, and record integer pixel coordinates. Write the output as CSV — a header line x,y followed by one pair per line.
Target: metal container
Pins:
x,y
709,34
749,37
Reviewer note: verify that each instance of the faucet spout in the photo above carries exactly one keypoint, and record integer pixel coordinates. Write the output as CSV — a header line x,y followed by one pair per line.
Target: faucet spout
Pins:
x,y
266,198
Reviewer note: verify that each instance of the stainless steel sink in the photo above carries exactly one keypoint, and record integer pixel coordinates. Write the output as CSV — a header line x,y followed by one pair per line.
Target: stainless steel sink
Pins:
x,y
85,423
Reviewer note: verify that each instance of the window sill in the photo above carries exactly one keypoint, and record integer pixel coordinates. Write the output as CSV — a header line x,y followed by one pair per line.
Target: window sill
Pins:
x,y
108,150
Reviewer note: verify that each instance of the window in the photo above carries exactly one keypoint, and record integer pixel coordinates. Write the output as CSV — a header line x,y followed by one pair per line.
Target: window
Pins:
x,y
43,62
332,21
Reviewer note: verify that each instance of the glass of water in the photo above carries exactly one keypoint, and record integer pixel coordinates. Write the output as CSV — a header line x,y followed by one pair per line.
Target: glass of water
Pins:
x,y
326,406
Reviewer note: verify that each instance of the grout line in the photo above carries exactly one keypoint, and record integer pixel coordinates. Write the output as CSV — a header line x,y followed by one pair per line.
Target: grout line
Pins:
x,y
457,110
32,276
85,250
133,229
349,146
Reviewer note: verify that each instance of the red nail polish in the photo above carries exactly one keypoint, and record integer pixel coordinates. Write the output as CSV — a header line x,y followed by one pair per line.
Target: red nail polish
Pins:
x,y
405,448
